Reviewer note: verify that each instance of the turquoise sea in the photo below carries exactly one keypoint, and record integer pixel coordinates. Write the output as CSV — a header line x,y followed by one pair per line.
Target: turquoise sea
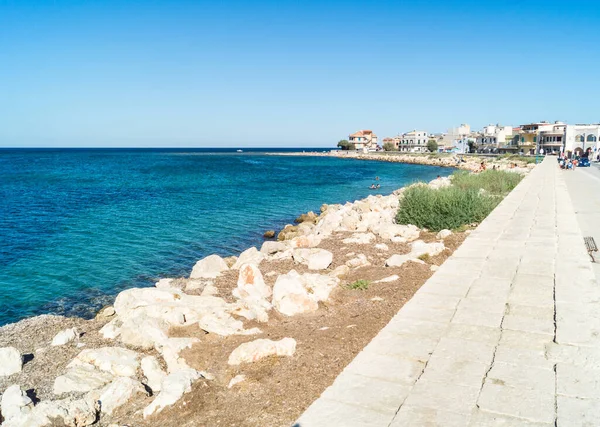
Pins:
x,y
79,225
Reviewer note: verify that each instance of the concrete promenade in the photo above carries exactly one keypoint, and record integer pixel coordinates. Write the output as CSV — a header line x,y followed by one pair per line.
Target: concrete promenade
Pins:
x,y
505,333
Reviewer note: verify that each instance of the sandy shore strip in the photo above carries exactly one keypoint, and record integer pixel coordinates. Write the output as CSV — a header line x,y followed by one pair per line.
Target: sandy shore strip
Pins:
x,y
246,341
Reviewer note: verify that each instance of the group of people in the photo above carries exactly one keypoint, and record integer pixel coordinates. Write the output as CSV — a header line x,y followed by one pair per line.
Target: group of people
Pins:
x,y
375,186
566,163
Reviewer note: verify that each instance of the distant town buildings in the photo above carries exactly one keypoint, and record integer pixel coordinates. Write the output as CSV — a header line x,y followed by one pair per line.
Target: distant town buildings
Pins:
x,y
363,140
530,138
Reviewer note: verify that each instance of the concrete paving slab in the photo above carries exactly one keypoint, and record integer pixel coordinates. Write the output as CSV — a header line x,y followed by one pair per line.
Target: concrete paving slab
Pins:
x,y
505,333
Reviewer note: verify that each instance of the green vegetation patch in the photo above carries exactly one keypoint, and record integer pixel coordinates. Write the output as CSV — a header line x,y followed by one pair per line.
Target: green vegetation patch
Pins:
x,y
494,182
461,204
361,285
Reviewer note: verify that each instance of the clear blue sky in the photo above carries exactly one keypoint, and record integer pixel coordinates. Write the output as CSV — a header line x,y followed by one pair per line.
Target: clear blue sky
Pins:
x,y
283,73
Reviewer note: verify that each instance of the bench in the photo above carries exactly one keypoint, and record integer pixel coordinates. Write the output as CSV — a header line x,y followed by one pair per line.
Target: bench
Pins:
x,y
590,245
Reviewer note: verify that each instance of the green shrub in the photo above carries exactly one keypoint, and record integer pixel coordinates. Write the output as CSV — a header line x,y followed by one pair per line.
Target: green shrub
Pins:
x,y
361,285
449,207
492,181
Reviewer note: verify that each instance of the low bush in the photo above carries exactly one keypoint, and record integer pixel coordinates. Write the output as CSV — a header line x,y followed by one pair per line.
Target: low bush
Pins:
x,y
492,181
456,206
449,207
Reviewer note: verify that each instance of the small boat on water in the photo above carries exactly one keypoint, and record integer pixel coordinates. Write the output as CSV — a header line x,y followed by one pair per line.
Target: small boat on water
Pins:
x,y
239,151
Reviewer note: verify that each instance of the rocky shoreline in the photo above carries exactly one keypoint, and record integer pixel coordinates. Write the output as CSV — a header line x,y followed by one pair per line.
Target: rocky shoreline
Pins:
x,y
157,352
469,163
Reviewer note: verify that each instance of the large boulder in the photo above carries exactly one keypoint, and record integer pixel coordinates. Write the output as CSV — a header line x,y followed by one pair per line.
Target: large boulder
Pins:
x,y
209,267
315,258
117,393
260,348
252,291
418,248
15,403
249,256
81,379
271,247
307,217
64,337
153,373
295,294
173,388
359,261
170,305
305,241
224,324
11,361
407,232
115,360
67,412
141,330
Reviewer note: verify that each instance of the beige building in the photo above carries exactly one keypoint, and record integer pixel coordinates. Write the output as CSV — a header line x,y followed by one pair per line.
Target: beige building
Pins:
x,y
395,141
363,140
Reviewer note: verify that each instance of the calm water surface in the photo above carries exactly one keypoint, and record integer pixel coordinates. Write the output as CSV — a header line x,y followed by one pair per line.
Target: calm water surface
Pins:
x,y
78,226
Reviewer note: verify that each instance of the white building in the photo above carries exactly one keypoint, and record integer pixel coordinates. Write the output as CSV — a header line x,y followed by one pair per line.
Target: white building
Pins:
x,y
493,136
582,137
415,141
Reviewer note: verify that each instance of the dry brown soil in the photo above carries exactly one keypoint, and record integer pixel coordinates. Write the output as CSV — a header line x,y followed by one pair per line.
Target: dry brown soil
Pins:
x,y
278,389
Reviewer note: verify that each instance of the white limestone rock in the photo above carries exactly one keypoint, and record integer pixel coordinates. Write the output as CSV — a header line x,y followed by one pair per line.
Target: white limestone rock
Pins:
x,y
15,403
305,241
81,379
115,360
340,271
223,324
359,261
117,393
169,305
170,350
438,183
197,284
236,380
153,373
106,312
407,232
418,248
66,412
65,336
270,247
11,361
360,238
164,283
382,247
173,387
393,278
209,267
209,291
252,292
443,234
143,331
111,330
260,348
315,258
249,256
295,294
